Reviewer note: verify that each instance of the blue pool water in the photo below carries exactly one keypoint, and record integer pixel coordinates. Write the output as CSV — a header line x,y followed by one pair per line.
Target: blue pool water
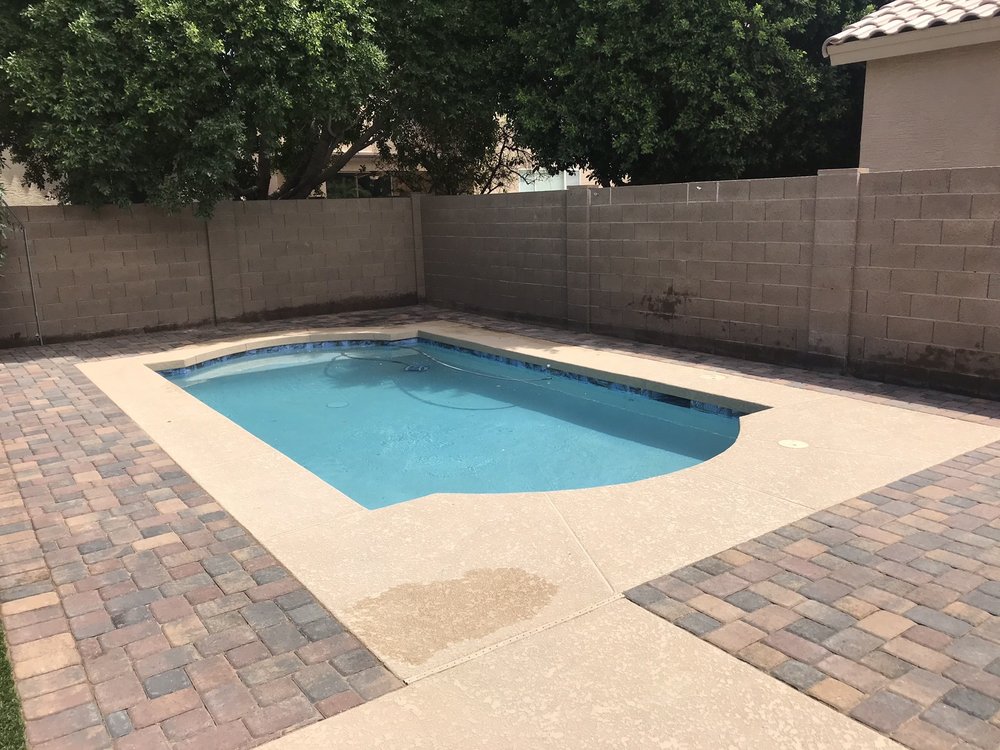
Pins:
x,y
392,422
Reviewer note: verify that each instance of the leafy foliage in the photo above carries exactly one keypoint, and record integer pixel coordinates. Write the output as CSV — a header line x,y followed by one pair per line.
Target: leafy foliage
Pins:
x,y
436,105
668,90
174,101
180,101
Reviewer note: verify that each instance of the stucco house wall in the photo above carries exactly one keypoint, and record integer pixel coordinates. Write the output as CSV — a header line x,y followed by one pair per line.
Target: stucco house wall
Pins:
x,y
933,110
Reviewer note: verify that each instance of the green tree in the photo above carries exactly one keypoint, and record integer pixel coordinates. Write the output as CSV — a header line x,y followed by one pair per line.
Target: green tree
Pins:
x,y
174,101
648,91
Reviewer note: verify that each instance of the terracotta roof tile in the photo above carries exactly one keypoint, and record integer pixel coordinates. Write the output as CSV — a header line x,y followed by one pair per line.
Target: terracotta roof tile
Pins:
x,y
911,15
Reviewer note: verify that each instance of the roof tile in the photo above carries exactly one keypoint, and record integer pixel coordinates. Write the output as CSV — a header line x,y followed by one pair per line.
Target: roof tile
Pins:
x,y
911,15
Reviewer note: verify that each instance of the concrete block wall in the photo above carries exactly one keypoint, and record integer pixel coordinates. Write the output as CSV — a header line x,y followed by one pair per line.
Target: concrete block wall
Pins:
x,y
17,317
137,268
107,270
274,256
717,265
926,300
497,253
892,275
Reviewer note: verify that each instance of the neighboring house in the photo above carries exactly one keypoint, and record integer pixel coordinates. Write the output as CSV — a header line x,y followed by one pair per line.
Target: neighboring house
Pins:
x,y
932,84
14,191
365,176
536,182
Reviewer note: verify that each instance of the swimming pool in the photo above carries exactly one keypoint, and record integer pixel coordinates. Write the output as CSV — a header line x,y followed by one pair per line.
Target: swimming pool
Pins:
x,y
386,422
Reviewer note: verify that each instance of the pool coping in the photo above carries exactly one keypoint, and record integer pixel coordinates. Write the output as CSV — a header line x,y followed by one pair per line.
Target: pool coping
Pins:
x,y
568,539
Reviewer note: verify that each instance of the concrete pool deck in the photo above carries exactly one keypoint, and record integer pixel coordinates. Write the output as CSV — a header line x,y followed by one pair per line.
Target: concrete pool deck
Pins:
x,y
435,580
504,615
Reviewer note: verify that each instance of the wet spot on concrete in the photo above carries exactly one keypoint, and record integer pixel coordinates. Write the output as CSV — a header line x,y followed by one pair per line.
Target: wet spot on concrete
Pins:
x,y
414,621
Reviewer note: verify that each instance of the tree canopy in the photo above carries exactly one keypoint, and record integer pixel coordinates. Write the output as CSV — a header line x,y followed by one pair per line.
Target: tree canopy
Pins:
x,y
174,101
180,101
670,90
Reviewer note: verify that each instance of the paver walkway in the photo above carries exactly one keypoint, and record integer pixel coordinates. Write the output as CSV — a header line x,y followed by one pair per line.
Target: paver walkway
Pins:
x,y
138,612
140,615
886,607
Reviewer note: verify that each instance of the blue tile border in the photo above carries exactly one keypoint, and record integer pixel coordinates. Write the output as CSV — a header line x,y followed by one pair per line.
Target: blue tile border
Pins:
x,y
681,401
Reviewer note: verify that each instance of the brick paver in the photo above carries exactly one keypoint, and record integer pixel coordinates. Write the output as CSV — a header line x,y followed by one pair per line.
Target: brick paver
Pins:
x,y
886,607
141,615
138,612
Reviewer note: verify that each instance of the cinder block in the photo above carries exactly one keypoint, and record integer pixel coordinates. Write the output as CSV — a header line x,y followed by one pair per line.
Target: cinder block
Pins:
x,y
647,231
688,211
975,180
991,342
893,256
634,212
864,324
731,271
782,252
837,183
880,183
917,231
872,279
751,252
934,307
702,191
795,275
967,232
960,335
782,210
764,273
931,355
830,300
720,211
732,231
750,210
734,190
926,181
986,206
980,311
941,257
982,259
911,330
800,187
832,277
836,209
914,280
704,231
832,232
765,189
747,292
952,206
898,206
833,255
801,231
780,295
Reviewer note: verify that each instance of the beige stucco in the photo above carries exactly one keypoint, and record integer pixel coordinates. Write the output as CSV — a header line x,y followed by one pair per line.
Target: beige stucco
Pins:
x,y
933,110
